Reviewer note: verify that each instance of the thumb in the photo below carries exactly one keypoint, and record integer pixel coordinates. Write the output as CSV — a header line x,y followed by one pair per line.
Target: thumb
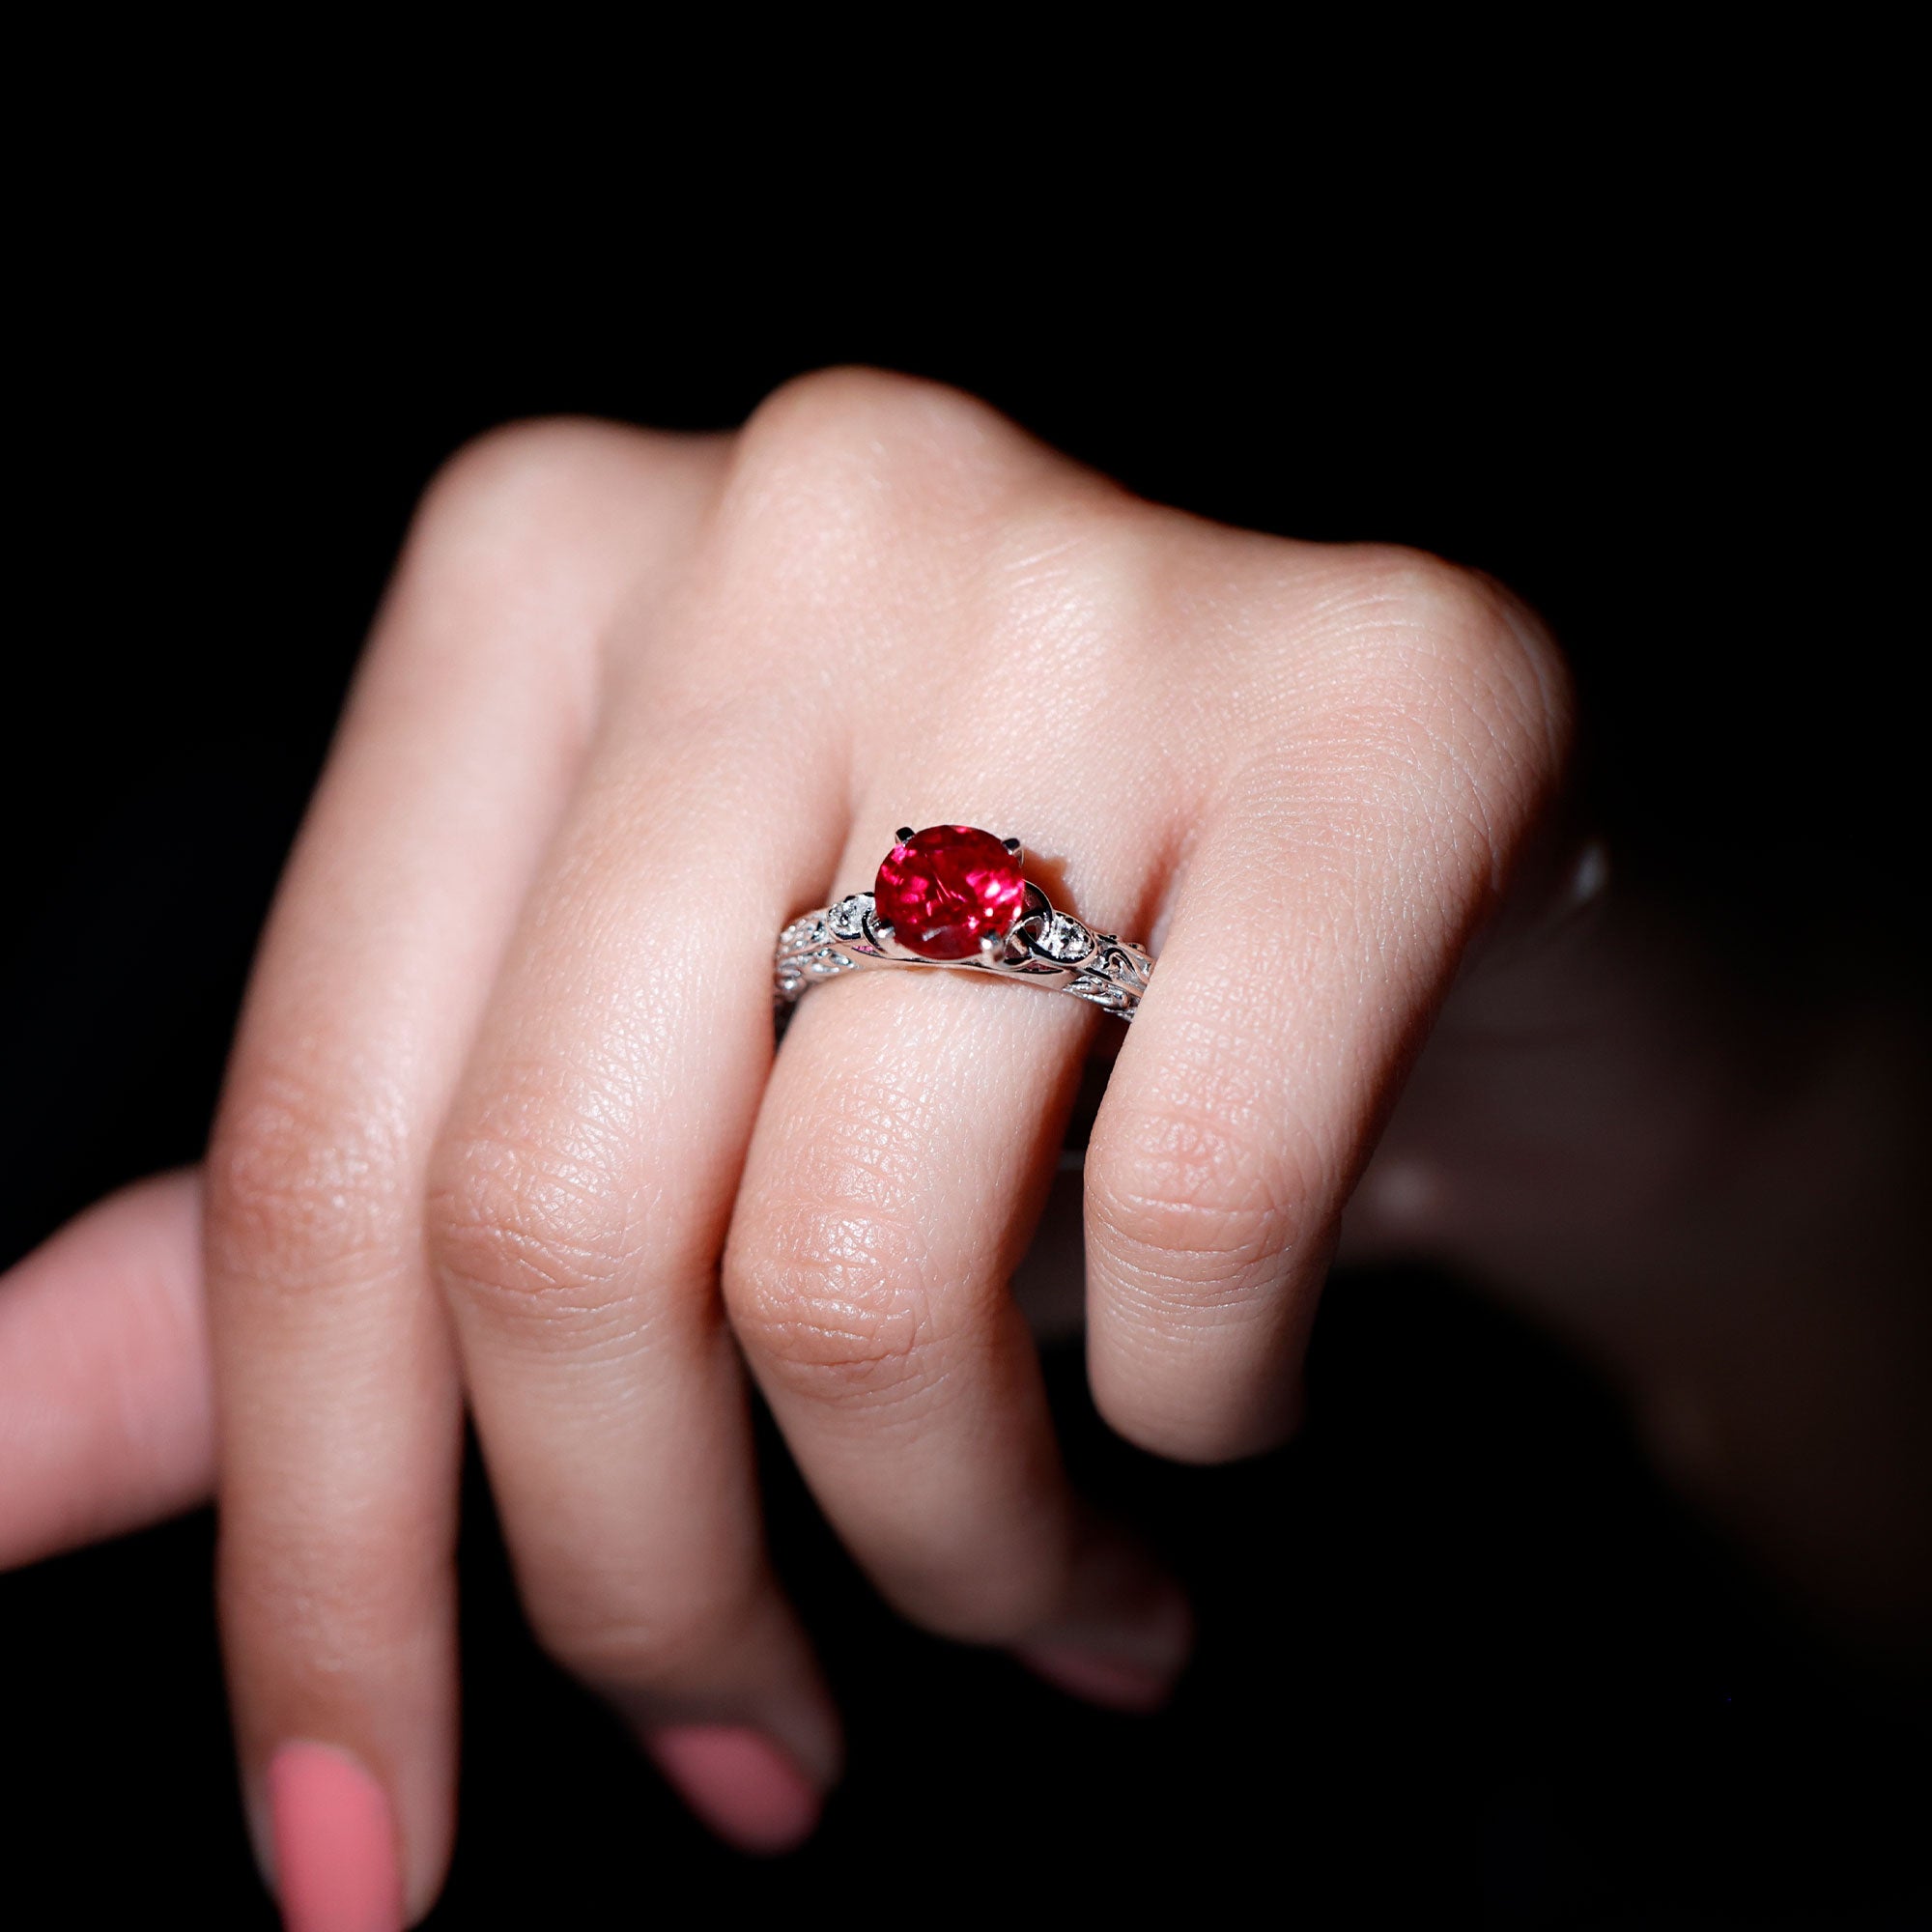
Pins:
x,y
105,1413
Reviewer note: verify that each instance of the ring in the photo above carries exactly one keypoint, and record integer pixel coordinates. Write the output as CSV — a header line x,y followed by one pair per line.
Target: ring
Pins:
x,y
953,896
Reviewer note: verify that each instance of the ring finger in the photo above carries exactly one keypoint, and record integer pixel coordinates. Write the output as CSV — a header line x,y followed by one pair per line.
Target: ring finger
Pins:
x,y
908,1136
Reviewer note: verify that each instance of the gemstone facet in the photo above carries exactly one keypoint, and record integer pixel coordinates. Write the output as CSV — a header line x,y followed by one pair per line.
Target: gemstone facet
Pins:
x,y
946,889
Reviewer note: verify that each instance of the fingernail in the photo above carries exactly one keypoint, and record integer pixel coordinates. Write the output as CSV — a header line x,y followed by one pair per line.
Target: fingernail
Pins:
x,y
740,1783
1098,1677
337,1868
1129,1663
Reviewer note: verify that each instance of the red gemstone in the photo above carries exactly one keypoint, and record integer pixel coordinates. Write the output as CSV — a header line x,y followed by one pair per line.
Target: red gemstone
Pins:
x,y
946,888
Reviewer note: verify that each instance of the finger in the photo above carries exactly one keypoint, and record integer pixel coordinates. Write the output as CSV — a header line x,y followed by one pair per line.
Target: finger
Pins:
x,y
579,1204
105,1407
900,1161
337,1395
1324,908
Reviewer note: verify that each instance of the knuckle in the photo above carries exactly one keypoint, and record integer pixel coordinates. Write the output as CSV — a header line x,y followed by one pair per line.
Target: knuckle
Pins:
x,y
536,531
832,461
628,1634
1441,597
1448,646
855,411
301,1182
826,1302
526,1223
1188,1212
524,477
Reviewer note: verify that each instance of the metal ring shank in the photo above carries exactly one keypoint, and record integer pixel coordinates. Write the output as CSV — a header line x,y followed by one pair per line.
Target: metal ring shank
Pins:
x,y
1047,949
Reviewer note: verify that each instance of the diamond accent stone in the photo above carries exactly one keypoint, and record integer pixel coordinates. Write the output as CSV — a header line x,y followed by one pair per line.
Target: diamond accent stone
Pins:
x,y
826,962
801,934
847,919
1064,939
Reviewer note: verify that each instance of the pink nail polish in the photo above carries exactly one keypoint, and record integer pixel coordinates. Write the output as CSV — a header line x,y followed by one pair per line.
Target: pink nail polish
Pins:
x,y
335,1843
740,1783
1098,1677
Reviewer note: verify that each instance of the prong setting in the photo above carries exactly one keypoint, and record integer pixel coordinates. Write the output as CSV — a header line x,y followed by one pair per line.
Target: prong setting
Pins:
x,y
963,897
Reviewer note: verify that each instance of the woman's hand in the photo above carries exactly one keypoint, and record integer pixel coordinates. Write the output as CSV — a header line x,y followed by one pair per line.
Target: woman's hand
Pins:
x,y
503,1125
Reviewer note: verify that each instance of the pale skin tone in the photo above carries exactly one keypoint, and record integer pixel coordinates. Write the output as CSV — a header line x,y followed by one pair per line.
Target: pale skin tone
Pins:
x,y
500,1133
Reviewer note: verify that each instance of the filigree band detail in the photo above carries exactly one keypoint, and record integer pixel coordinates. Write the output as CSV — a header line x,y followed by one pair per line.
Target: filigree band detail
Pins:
x,y
1045,948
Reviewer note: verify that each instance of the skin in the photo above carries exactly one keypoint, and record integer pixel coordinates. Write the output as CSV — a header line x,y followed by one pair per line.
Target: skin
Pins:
x,y
499,1132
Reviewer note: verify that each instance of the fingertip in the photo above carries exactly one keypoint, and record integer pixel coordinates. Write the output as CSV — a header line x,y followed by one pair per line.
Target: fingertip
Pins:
x,y
740,1783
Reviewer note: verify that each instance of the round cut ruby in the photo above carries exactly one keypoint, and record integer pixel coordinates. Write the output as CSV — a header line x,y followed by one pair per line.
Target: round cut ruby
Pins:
x,y
945,889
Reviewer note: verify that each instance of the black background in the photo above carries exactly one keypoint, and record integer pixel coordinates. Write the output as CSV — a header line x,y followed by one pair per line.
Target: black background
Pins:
x,y
1458,1650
